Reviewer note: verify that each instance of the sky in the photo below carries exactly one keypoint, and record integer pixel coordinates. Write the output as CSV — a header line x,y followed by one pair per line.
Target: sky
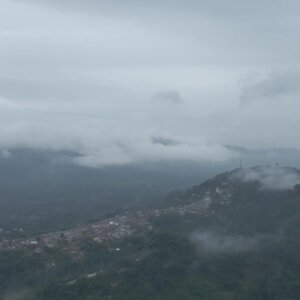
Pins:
x,y
125,81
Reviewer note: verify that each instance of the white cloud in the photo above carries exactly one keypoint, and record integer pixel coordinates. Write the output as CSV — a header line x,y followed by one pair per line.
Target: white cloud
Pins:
x,y
274,178
100,143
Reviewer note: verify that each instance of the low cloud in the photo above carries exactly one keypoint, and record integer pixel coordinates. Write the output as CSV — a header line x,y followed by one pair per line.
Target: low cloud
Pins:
x,y
142,149
273,178
101,143
212,242
275,86
167,97
5,154
165,141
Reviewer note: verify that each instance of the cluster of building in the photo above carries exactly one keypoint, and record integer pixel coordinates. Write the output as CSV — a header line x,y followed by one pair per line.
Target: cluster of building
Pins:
x,y
117,227
114,228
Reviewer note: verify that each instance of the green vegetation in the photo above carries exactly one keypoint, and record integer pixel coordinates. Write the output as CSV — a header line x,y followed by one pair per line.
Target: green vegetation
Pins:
x,y
168,266
244,249
42,191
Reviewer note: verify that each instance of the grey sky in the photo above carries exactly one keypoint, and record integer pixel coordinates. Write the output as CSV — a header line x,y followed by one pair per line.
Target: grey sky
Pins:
x,y
106,77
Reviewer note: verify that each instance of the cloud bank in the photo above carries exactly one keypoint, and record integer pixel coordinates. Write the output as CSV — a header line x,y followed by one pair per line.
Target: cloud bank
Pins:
x,y
131,81
273,178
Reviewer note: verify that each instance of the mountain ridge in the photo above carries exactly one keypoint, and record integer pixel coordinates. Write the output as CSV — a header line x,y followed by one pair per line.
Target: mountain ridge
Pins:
x,y
209,242
215,200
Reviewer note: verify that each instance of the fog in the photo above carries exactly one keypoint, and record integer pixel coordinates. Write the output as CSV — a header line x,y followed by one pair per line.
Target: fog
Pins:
x,y
273,178
212,242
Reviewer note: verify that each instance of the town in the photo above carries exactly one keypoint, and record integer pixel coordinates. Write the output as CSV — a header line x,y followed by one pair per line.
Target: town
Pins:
x,y
110,229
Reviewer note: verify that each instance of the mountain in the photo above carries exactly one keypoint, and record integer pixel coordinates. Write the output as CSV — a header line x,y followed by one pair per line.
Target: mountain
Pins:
x,y
43,190
254,200
235,236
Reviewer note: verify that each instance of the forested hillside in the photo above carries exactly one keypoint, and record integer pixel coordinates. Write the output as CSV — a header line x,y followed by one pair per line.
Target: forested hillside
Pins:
x,y
244,245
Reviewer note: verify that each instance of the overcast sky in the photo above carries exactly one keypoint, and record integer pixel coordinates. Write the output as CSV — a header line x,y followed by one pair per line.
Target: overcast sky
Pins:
x,y
122,81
